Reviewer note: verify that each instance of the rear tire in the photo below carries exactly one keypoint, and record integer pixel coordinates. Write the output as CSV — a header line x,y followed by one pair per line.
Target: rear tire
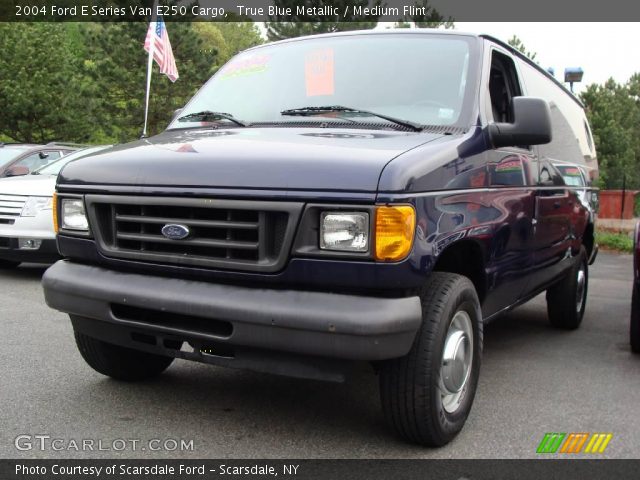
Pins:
x,y
567,299
8,264
119,362
635,320
426,399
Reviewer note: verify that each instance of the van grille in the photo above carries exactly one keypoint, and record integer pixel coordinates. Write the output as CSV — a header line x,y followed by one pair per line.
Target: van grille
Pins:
x,y
222,233
11,205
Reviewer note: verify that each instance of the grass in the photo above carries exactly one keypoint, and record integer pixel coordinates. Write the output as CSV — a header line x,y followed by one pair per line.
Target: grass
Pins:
x,y
620,242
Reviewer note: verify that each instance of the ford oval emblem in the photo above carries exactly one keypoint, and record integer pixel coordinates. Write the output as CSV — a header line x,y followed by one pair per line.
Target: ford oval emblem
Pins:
x,y
174,231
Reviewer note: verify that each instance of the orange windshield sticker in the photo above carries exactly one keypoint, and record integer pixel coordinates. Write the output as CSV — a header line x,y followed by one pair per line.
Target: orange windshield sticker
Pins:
x,y
318,72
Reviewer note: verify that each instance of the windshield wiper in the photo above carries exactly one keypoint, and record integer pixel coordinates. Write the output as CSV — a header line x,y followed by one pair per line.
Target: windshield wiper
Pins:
x,y
309,111
214,115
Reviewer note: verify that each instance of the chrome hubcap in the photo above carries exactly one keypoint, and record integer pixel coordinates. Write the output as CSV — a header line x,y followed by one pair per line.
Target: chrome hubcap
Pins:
x,y
580,290
457,358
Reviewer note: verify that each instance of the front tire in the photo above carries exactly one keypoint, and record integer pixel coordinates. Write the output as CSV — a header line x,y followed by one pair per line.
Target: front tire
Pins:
x,y
427,394
119,362
635,320
567,299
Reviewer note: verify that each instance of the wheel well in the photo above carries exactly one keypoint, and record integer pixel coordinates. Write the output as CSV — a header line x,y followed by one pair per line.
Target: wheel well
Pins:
x,y
588,239
465,258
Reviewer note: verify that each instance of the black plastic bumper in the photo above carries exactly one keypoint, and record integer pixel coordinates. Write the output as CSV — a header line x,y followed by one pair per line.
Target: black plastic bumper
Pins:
x,y
299,322
47,253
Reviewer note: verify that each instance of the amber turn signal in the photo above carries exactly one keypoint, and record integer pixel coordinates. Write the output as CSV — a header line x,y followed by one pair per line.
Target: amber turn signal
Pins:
x,y
395,227
54,209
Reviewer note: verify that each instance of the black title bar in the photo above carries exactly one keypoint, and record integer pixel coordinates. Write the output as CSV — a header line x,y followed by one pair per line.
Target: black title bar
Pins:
x,y
321,10
319,469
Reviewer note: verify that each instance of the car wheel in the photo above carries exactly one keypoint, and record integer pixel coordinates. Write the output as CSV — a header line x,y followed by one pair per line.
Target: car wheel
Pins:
x,y
8,264
635,320
427,394
567,299
119,362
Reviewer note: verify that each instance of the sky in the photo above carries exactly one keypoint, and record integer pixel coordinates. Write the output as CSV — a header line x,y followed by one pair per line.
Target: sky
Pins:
x,y
602,50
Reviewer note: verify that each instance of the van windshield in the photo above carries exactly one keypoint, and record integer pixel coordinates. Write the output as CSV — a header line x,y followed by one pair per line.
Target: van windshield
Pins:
x,y
424,79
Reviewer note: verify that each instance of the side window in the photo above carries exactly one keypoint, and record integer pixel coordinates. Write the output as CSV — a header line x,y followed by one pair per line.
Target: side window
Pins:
x,y
35,160
503,86
32,161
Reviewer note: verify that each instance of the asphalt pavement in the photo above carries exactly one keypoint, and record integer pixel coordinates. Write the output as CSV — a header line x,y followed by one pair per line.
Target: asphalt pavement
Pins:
x,y
534,379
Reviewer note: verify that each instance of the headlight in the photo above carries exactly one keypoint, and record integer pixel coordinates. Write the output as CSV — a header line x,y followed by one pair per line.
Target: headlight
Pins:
x,y
33,205
346,232
72,215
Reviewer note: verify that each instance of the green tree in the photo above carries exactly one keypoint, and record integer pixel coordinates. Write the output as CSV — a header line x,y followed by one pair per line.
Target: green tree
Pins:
x,y
85,82
516,43
278,30
227,38
117,66
238,36
42,84
614,114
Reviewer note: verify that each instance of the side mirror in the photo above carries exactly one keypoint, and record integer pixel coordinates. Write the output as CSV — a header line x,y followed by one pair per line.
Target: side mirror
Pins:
x,y
17,171
43,155
531,125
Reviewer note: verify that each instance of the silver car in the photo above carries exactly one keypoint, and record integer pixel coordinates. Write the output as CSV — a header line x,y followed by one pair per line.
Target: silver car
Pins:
x,y
26,223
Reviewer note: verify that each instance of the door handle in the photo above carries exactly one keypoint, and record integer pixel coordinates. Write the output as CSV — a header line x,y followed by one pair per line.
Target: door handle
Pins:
x,y
557,204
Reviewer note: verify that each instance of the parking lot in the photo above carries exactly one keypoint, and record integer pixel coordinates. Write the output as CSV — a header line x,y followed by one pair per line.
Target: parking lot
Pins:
x,y
534,380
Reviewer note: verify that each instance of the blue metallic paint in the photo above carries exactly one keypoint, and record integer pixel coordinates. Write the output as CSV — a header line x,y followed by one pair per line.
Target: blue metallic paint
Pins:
x,y
414,168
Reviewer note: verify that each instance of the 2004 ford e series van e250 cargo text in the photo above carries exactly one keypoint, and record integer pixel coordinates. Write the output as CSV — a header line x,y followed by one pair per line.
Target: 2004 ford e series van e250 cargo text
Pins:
x,y
367,196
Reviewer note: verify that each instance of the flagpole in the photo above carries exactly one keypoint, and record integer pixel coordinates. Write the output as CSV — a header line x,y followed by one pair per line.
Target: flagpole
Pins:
x,y
152,46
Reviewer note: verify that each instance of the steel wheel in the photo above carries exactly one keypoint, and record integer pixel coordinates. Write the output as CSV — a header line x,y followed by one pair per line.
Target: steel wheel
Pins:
x,y
581,291
457,359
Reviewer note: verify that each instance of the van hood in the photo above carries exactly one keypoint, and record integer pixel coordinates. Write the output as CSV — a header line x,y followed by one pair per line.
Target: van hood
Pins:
x,y
29,185
252,158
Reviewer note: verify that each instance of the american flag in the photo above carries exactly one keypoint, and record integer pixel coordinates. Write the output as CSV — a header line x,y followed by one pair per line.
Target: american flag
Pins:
x,y
158,40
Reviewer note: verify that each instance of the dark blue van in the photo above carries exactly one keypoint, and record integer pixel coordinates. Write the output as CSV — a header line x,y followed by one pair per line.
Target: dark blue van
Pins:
x,y
370,196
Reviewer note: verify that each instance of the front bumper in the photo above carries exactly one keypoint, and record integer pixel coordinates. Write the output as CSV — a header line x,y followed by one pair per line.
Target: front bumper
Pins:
x,y
46,253
116,307
39,227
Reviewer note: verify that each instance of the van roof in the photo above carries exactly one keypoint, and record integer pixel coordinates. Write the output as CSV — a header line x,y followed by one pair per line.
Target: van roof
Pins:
x,y
414,31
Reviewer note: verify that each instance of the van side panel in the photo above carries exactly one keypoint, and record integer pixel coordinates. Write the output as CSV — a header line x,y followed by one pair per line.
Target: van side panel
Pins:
x,y
571,143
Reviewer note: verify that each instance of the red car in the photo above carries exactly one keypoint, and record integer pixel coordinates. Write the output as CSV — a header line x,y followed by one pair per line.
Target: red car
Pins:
x,y
635,301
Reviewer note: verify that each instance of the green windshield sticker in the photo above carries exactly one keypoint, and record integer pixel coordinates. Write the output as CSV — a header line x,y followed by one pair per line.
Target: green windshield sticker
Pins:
x,y
245,66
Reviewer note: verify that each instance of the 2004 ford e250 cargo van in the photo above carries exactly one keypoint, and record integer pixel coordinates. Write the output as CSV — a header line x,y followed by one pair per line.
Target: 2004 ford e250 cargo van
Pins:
x,y
369,196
